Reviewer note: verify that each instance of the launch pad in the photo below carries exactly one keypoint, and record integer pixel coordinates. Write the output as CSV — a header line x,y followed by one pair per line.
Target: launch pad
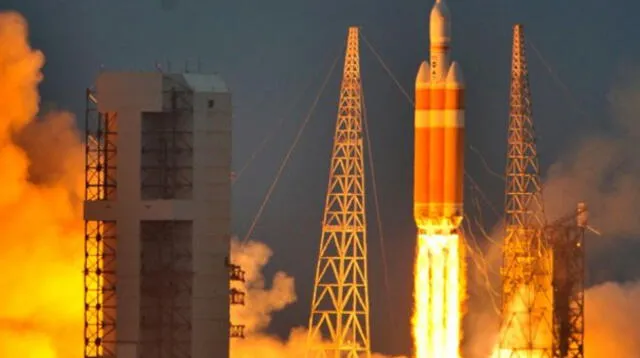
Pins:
x,y
542,261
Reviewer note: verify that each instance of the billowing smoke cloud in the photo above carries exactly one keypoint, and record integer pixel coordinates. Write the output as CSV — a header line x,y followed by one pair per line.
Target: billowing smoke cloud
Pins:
x,y
612,317
261,302
40,218
604,171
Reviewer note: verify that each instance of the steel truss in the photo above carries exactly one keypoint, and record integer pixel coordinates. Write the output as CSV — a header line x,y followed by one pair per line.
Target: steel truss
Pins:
x,y
166,289
567,238
340,304
167,147
100,236
527,296
236,297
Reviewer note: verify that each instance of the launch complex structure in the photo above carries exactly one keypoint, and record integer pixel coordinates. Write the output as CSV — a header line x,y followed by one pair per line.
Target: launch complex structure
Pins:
x,y
339,321
543,263
157,221
157,217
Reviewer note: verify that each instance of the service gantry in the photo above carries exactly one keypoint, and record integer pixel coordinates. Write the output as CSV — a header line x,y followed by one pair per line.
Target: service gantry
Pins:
x,y
527,294
566,236
339,319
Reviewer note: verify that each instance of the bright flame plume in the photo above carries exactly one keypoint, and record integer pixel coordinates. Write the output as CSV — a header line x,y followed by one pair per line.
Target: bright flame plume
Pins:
x,y
439,294
527,327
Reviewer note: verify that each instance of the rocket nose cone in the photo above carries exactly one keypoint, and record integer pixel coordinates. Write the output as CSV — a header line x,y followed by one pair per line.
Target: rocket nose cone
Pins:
x,y
440,23
423,74
454,75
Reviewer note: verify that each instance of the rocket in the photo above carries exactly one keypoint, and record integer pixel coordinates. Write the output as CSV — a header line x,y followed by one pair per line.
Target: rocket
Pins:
x,y
439,132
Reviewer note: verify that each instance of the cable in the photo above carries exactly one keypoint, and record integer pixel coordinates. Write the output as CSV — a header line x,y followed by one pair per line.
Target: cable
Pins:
x,y
386,68
271,133
385,268
404,92
477,255
485,164
558,81
475,185
289,152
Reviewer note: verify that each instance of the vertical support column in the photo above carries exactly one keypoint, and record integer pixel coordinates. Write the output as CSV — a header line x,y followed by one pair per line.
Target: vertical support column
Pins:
x,y
100,236
527,292
340,303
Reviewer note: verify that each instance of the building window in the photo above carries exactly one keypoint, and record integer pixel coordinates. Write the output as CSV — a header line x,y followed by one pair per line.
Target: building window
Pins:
x,y
210,104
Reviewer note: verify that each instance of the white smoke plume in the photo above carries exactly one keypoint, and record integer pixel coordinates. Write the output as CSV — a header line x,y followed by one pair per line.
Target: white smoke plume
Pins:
x,y
604,170
261,302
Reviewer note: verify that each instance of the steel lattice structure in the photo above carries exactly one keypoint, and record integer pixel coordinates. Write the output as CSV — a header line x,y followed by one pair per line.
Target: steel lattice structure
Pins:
x,y
166,273
99,236
340,304
567,237
527,297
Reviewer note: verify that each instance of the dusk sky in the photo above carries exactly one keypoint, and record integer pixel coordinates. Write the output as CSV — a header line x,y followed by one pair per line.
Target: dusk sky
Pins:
x,y
271,52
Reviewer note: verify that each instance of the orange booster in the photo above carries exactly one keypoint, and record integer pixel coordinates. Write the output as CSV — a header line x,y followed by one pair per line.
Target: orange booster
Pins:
x,y
439,132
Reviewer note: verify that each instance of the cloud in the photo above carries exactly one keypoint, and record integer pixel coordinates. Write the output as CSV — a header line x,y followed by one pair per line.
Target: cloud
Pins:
x,y
604,169
40,186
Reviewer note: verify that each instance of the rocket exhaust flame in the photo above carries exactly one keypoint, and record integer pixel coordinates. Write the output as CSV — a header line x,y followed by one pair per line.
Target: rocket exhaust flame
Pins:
x,y
439,287
517,339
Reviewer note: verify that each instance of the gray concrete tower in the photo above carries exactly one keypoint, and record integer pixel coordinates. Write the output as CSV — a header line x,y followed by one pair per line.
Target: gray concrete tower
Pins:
x,y
158,215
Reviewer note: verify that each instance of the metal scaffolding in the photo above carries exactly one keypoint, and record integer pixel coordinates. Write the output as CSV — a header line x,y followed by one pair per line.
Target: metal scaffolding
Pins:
x,y
166,275
236,297
567,238
527,297
340,303
165,288
99,236
167,147
163,277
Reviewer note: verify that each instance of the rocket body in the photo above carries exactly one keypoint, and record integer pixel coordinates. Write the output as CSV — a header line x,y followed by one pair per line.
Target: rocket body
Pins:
x,y
439,132
440,280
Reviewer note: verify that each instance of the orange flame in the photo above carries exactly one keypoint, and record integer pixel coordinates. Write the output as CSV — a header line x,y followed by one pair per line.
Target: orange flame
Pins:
x,y
40,217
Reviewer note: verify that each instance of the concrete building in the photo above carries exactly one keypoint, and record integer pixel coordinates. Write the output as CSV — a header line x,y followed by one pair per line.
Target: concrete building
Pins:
x,y
158,215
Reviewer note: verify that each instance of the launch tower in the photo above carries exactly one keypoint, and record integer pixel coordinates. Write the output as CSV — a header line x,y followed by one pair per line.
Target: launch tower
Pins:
x,y
340,303
527,294
157,216
566,235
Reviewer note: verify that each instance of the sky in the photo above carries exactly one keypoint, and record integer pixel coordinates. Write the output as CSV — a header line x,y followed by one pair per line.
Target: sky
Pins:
x,y
270,53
